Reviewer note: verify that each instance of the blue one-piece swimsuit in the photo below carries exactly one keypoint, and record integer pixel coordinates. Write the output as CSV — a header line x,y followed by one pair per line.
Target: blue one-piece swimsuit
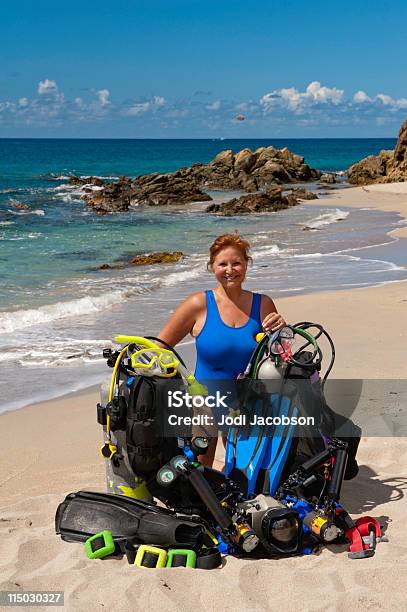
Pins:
x,y
223,351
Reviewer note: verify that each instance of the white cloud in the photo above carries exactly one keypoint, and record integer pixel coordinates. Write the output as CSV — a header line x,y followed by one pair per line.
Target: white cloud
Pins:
x,y
292,97
315,105
6,106
361,97
103,96
158,101
243,106
47,87
214,106
391,102
385,99
177,113
138,109
295,100
324,94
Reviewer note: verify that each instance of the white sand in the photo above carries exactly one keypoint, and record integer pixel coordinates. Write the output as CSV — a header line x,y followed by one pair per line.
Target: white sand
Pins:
x,y
51,449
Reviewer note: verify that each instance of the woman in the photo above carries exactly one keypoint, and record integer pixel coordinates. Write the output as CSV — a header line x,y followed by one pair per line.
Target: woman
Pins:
x,y
224,321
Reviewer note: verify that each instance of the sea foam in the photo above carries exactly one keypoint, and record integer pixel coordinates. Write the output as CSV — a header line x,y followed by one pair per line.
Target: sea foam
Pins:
x,y
326,219
19,319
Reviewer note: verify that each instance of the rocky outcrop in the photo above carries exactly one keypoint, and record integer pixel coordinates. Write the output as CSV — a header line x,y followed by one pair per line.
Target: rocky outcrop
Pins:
x,y
303,194
85,180
327,178
246,170
147,259
20,205
178,187
397,165
372,169
113,197
270,201
387,167
157,258
253,170
151,190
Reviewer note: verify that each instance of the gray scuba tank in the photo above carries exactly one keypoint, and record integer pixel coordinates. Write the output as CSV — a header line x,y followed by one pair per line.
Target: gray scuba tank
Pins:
x,y
268,370
273,365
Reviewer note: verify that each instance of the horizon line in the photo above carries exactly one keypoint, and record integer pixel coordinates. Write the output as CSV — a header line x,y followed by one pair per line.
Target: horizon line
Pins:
x,y
200,138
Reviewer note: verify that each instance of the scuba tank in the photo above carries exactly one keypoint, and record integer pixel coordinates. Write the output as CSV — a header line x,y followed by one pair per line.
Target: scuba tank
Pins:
x,y
269,370
273,365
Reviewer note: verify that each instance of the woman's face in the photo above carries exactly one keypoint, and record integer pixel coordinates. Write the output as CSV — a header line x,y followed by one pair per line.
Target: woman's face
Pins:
x,y
229,267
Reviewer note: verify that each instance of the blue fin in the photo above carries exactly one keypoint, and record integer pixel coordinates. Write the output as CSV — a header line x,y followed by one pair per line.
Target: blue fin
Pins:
x,y
256,459
279,444
245,449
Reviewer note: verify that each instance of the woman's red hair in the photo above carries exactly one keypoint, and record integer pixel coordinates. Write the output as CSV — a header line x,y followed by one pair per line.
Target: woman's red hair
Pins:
x,y
229,240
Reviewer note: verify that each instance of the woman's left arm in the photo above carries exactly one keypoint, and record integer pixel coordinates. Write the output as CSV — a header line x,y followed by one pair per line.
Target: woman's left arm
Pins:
x,y
270,318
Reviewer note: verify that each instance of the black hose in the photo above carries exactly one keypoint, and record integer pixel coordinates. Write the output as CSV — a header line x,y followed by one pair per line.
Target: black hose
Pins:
x,y
321,331
171,348
335,484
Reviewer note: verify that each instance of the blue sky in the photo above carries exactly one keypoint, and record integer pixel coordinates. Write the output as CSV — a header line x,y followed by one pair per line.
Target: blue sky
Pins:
x,y
224,68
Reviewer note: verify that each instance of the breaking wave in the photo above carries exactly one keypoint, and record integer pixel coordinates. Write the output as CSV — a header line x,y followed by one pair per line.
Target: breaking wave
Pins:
x,y
326,219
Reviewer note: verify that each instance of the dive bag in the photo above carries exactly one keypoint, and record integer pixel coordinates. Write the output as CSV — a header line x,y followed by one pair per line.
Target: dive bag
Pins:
x,y
147,449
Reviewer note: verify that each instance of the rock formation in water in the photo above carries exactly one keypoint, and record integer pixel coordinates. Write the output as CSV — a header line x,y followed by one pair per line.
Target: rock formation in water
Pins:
x,y
248,170
387,167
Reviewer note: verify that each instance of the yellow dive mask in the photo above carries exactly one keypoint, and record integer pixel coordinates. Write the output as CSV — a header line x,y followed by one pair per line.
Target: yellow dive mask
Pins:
x,y
154,362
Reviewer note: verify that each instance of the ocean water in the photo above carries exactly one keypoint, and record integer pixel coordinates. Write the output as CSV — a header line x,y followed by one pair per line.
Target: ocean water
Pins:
x,y
58,309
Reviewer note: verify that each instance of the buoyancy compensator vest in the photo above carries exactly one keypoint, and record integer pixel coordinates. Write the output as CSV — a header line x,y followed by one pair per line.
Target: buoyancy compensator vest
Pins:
x,y
132,411
147,449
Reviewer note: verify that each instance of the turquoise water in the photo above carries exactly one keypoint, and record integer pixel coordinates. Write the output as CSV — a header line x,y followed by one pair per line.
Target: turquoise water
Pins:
x,y
60,239
28,160
58,310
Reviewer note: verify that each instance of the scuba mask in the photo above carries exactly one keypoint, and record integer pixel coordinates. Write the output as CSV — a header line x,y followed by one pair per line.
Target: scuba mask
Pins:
x,y
154,362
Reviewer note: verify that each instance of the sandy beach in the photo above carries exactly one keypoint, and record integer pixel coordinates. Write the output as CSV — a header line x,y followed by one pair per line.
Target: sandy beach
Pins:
x,y
51,449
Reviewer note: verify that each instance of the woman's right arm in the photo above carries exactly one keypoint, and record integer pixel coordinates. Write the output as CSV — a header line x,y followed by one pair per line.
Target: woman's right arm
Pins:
x,y
183,319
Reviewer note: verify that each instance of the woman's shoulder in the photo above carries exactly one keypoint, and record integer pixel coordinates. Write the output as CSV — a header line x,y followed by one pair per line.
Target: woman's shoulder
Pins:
x,y
266,299
267,305
196,300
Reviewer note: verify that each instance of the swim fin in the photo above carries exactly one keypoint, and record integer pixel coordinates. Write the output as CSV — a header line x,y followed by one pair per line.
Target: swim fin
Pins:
x,y
245,449
278,445
86,513
256,460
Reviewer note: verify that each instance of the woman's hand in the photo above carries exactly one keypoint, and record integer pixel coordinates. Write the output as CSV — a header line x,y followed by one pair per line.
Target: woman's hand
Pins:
x,y
273,322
